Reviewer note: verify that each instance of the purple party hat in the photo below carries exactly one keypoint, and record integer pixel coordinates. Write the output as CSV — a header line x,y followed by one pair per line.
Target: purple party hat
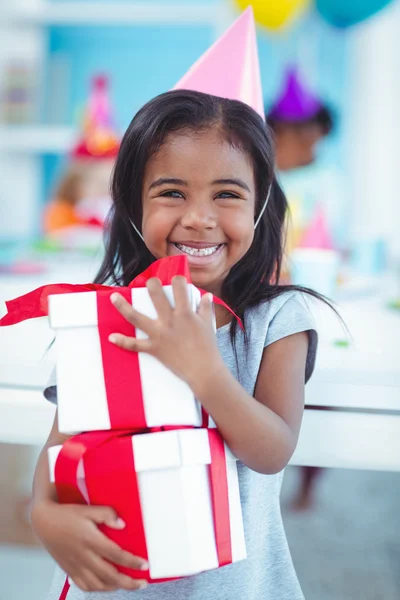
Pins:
x,y
295,103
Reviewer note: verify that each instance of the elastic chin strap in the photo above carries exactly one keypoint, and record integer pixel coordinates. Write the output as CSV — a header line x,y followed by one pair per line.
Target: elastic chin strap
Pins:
x,y
136,229
263,208
255,225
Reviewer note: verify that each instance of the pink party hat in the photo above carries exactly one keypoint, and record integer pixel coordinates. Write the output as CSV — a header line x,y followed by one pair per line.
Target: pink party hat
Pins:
x,y
317,235
296,102
230,68
99,139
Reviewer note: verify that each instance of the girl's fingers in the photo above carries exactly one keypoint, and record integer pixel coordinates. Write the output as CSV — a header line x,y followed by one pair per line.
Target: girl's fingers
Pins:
x,y
115,554
206,308
90,582
78,581
103,577
181,294
105,572
103,514
127,583
112,578
130,343
134,317
160,300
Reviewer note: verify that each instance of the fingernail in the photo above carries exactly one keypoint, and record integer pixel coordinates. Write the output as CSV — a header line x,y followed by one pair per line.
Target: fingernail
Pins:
x,y
144,566
116,523
112,338
143,584
114,297
152,282
210,298
120,523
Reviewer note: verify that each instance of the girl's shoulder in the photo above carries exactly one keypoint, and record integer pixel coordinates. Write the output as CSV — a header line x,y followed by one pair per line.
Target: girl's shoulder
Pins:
x,y
286,314
291,307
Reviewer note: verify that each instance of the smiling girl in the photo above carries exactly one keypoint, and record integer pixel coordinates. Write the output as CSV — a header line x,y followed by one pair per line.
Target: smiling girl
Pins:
x,y
192,177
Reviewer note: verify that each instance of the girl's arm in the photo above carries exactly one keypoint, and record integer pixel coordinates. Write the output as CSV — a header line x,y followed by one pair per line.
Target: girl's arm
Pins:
x,y
70,534
43,490
261,431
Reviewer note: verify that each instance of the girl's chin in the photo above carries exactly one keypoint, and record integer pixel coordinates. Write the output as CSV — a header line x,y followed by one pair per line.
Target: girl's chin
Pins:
x,y
206,281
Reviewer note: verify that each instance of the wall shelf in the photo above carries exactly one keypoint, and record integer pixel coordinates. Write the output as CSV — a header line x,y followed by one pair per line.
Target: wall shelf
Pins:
x,y
113,13
40,139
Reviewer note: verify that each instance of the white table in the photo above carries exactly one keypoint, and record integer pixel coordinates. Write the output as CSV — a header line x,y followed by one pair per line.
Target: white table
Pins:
x,y
352,415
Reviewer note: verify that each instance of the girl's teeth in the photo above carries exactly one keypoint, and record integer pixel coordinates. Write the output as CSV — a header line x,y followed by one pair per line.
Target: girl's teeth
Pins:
x,y
197,251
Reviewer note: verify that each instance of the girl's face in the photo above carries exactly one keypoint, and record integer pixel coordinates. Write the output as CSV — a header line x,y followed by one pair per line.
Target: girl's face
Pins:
x,y
199,200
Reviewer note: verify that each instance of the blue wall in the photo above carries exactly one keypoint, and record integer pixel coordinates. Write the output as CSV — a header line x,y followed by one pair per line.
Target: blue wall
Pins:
x,y
142,62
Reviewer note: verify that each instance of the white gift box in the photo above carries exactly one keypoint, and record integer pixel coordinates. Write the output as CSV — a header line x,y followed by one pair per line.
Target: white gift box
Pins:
x,y
81,388
172,470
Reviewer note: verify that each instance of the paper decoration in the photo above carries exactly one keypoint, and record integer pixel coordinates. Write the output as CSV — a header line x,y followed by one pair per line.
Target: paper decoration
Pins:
x,y
99,139
317,235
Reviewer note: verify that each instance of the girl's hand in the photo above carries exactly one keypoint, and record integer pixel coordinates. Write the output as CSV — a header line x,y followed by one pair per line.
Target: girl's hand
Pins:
x,y
182,340
70,534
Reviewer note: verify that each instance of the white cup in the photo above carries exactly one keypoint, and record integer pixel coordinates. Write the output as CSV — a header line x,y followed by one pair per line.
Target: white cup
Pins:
x,y
316,269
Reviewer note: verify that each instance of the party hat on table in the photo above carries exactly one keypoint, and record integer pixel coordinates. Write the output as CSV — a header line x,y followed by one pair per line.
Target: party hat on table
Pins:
x,y
295,102
317,236
230,67
99,140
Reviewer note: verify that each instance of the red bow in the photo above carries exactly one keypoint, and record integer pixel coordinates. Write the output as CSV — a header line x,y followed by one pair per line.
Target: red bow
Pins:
x,y
35,304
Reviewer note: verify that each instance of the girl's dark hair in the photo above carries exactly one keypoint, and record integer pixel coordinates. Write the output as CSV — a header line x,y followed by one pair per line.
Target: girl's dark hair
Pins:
x,y
255,278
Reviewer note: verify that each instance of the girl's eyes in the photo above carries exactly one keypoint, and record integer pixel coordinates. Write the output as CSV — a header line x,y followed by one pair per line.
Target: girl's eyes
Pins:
x,y
179,195
227,195
172,194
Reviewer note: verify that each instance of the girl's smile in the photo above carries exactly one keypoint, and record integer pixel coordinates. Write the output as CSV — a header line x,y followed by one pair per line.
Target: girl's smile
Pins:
x,y
198,200
198,253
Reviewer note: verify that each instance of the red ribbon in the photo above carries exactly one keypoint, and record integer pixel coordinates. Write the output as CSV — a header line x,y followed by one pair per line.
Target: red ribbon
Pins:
x,y
111,480
65,590
220,498
121,368
35,304
66,467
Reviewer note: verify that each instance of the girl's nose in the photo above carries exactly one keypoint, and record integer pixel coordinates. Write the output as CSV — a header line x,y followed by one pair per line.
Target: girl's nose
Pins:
x,y
199,217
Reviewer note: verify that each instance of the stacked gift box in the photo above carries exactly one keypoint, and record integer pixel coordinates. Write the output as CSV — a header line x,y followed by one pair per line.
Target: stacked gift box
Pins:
x,y
141,442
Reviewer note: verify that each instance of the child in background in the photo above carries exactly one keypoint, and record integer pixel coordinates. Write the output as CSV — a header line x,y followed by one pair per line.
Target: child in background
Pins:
x,y
299,121
82,196
195,176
